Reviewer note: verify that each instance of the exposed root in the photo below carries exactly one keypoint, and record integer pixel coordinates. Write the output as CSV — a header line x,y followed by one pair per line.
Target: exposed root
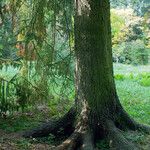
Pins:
x,y
82,137
143,127
71,143
78,140
87,141
117,140
64,124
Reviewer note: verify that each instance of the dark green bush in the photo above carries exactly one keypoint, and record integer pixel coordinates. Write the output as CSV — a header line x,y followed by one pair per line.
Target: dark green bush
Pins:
x,y
144,79
119,77
145,82
136,53
132,52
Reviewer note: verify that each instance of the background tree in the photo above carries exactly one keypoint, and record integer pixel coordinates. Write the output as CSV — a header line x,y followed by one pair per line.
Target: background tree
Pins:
x,y
139,6
127,31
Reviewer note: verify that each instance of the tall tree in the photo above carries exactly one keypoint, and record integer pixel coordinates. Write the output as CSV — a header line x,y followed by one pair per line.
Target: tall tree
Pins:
x,y
101,113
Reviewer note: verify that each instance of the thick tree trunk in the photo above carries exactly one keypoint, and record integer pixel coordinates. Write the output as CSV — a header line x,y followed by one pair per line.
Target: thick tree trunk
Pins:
x,y
94,59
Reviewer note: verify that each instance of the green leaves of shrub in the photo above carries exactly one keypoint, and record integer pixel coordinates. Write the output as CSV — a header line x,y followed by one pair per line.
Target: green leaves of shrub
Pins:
x,y
145,81
119,77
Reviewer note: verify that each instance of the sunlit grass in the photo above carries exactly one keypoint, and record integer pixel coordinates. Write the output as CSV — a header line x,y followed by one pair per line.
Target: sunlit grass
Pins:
x,y
134,96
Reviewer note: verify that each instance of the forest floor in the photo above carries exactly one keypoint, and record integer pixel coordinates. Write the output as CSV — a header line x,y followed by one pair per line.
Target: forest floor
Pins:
x,y
14,141
133,86
11,131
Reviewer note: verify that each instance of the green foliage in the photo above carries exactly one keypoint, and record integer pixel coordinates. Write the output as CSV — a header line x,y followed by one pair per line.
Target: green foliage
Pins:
x,y
133,52
7,37
50,72
133,95
118,27
23,88
119,77
130,32
136,53
144,79
139,7
23,144
14,94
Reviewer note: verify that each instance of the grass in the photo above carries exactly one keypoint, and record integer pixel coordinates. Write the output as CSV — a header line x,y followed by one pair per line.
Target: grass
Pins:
x,y
128,69
19,122
134,96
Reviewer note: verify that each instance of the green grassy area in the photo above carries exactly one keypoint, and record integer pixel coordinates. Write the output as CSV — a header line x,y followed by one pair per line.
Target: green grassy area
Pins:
x,y
133,88
135,98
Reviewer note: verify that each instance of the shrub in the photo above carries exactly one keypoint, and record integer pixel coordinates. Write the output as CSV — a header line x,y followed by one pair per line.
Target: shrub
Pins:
x,y
119,77
135,53
145,82
145,79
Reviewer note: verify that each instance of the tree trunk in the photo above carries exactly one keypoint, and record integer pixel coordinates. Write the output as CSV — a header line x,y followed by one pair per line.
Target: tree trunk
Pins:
x,y
94,58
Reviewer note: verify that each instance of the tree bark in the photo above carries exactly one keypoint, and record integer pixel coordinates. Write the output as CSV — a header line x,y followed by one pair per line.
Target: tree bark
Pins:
x,y
94,59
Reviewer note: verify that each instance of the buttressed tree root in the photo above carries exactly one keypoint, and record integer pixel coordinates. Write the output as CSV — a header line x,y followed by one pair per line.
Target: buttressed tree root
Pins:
x,y
54,126
81,135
